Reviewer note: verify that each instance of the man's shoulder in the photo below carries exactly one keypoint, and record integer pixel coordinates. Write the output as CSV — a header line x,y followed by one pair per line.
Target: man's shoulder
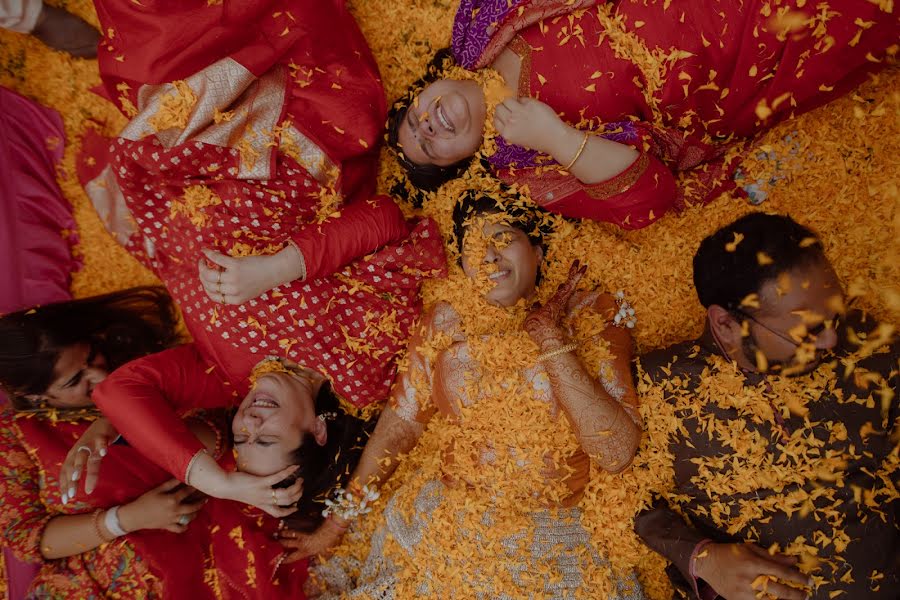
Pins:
x,y
685,358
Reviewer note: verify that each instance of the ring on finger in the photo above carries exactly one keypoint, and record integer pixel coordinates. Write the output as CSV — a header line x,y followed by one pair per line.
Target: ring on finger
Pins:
x,y
86,449
184,520
219,277
274,499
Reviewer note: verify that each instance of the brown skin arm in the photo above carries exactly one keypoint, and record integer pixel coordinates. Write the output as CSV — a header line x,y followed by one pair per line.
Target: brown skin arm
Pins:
x,y
395,435
605,429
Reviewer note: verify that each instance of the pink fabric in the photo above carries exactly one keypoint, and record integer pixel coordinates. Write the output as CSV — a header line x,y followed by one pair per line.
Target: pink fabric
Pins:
x,y
36,224
18,575
35,258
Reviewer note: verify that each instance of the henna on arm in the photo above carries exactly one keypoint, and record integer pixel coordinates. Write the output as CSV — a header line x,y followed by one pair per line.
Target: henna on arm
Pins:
x,y
393,437
604,428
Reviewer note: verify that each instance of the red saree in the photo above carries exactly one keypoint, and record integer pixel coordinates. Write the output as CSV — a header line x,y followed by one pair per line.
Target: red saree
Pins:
x,y
683,83
266,136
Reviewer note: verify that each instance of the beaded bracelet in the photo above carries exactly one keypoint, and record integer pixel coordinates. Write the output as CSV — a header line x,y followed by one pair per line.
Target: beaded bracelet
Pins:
x,y
97,528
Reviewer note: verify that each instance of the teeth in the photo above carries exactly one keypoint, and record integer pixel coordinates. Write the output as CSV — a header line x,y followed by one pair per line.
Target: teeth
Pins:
x,y
439,111
498,274
264,403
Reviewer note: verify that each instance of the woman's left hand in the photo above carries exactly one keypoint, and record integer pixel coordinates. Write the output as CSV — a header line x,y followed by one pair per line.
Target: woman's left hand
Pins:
x,y
543,323
84,459
528,122
233,280
319,542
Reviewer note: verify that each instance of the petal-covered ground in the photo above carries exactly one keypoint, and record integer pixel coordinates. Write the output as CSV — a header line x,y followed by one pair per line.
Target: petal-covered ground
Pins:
x,y
834,169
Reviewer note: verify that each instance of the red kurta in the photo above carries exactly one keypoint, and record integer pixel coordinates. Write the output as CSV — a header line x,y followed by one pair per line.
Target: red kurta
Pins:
x,y
267,137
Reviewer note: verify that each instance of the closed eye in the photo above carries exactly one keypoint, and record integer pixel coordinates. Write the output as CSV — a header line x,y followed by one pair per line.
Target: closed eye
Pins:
x,y
413,123
75,380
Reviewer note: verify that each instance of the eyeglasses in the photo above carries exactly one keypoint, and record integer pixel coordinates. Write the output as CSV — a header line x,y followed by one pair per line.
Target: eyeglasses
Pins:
x,y
809,337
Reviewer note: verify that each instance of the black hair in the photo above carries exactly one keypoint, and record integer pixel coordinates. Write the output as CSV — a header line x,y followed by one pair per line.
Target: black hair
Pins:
x,y
424,177
324,468
738,259
532,220
120,326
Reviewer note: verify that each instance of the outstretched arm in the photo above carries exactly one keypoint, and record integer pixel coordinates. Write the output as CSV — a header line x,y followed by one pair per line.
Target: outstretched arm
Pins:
x,y
399,428
712,569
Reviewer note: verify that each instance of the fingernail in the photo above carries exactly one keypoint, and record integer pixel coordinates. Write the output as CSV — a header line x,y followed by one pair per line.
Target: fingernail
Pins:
x,y
76,475
71,492
65,499
102,451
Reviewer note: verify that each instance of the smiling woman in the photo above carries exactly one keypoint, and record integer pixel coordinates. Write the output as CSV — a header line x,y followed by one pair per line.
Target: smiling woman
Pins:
x,y
289,431
607,102
493,465
52,356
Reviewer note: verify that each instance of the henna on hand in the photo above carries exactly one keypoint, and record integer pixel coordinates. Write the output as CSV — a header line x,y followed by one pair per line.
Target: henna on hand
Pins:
x,y
543,323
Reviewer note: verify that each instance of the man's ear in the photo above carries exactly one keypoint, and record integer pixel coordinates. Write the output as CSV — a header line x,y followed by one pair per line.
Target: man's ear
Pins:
x,y
726,330
320,431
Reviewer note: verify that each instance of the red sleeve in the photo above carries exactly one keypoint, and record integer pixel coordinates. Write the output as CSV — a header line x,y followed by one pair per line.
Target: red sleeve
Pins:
x,y
145,398
360,228
633,199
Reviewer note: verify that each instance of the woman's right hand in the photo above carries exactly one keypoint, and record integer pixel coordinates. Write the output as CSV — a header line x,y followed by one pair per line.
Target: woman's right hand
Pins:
x,y
84,459
528,122
167,506
258,491
319,542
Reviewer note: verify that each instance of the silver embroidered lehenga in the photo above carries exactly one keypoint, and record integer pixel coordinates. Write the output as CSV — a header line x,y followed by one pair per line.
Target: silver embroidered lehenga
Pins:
x,y
486,505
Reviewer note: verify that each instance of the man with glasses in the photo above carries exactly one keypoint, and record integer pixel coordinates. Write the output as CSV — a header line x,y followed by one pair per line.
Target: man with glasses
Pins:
x,y
782,429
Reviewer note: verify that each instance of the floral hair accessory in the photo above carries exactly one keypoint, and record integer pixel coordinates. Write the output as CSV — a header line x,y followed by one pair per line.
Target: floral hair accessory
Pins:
x,y
346,505
625,317
270,364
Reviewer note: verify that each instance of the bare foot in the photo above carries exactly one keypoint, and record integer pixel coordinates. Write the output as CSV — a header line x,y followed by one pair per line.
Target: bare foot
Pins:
x,y
64,31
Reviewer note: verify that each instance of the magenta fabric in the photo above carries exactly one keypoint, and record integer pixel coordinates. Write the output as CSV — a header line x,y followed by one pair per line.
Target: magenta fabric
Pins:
x,y
35,257
36,223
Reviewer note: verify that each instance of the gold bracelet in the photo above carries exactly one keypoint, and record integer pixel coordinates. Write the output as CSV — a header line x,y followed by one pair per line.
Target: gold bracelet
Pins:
x,y
578,154
557,352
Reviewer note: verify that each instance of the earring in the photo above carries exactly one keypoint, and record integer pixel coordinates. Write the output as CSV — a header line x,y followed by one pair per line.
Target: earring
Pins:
x,y
327,416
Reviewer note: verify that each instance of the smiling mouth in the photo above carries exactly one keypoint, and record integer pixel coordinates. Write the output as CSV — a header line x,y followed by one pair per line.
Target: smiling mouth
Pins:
x,y
264,402
443,119
498,275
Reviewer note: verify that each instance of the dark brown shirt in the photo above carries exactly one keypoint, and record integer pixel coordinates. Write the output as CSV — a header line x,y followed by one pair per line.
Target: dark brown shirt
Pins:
x,y
850,520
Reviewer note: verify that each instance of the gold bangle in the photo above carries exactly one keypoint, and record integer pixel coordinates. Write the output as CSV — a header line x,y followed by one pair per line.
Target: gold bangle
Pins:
x,y
578,154
190,465
557,352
